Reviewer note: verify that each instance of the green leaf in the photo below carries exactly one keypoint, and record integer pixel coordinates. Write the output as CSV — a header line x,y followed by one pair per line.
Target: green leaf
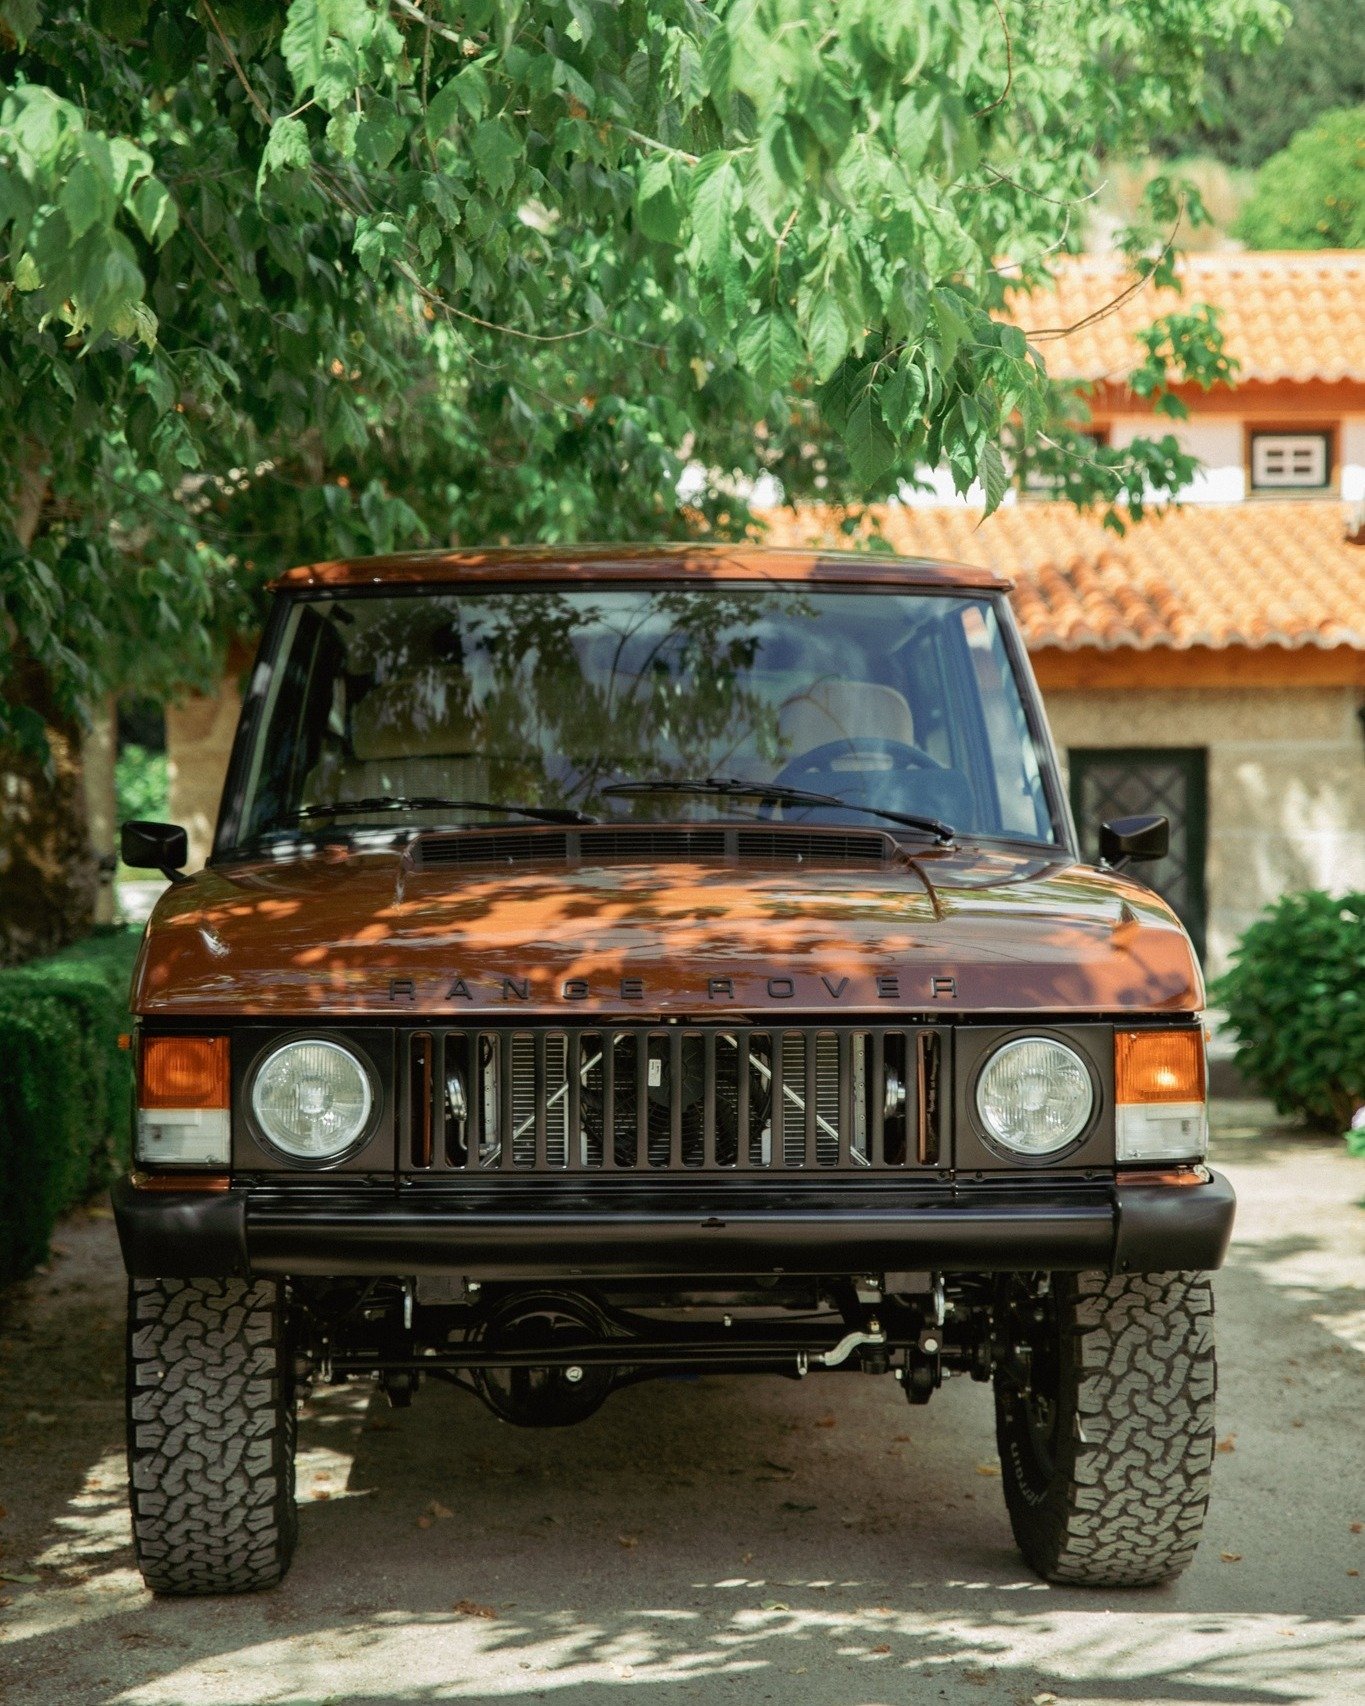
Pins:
x,y
286,148
870,447
341,129
496,150
780,155
377,239
443,109
770,350
994,479
338,77
661,213
85,198
302,42
155,211
380,135
713,190
827,334
472,90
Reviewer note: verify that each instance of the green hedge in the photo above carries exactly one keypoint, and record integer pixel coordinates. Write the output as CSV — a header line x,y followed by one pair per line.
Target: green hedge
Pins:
x,y
1295,1000
65,1088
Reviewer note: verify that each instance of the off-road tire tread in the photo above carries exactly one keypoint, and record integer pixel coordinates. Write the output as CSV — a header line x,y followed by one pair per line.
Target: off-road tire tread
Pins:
x,y
211,1425
1126,1503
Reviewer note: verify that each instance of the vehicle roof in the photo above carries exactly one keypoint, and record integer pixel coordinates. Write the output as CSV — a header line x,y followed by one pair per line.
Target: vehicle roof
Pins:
x,y
494,564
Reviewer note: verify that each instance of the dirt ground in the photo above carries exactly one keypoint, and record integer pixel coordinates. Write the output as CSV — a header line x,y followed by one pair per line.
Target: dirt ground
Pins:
x,y
814,1544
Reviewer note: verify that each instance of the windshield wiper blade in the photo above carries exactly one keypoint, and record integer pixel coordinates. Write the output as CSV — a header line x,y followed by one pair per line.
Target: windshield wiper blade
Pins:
x,y
778,794
437,802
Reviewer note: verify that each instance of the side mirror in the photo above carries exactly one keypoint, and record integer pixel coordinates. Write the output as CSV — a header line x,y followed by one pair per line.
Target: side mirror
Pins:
x,y
1125,838
160,847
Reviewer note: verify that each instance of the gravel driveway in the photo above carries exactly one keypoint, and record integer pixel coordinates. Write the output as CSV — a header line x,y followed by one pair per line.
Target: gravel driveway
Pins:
x,y
815,1544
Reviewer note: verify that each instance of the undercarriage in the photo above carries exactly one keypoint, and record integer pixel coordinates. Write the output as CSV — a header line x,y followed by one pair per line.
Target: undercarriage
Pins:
x,y
548,1356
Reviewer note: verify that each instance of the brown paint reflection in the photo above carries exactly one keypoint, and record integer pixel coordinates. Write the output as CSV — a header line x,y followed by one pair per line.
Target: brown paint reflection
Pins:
x,y
318,935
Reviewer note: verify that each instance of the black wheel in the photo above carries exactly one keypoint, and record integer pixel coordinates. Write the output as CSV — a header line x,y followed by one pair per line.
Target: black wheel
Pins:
x,y
1104,1419
211,1425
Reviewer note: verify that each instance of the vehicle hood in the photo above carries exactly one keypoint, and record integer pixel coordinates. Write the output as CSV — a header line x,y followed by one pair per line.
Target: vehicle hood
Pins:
x,y
344,932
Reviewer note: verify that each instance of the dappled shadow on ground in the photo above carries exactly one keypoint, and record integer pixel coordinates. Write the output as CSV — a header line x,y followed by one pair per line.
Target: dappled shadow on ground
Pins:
x,y
821,1543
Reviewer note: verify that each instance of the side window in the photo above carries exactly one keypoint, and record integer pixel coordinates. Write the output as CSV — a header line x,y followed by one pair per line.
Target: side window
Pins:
x,y
1020,796
304,701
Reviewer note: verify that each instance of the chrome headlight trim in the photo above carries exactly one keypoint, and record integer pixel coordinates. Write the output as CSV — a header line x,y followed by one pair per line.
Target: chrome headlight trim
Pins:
x,y
354,1121
1035,1121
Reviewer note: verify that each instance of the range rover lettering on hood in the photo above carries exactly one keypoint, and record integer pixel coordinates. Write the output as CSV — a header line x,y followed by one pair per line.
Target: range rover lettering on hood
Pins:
x,y
775,986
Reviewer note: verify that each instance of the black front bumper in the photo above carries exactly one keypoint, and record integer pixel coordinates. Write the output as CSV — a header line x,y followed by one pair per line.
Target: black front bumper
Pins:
x,y
618,1229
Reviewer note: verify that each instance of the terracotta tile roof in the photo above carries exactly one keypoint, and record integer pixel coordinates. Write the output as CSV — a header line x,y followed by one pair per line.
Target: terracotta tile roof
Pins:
x,y
1285,315
1250,574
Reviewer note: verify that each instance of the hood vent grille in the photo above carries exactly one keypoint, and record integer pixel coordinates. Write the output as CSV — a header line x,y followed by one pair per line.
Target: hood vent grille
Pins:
x,y
775,845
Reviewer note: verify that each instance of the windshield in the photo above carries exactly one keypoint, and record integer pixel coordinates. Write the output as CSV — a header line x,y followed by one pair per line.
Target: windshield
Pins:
x,y
417,709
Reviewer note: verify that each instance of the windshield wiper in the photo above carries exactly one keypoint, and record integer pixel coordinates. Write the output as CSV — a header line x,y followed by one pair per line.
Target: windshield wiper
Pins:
x,y
777,794
436,802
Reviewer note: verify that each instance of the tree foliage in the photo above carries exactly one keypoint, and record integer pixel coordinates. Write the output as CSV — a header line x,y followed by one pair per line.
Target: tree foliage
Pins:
x,y
1255,101
353,274
1312,194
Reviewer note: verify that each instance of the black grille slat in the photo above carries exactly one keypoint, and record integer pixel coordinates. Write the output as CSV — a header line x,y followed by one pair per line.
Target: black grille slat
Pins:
x,y
845,1098
650,843
812,1099
778,845
877,1102
708,1116
506,1107
541,1099
808,846
503,847
743,1111
777,1107
574,1070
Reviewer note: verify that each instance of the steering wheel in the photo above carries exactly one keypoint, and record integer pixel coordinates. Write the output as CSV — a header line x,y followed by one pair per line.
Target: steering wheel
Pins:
x,y
819,762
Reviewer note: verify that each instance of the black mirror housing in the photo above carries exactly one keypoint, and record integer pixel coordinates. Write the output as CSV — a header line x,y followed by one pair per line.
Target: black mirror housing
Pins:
x,y
1125,838
163,847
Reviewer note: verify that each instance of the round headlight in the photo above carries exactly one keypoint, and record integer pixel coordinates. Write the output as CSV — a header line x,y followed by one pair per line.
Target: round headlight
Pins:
x,y
312,1099
1035,1096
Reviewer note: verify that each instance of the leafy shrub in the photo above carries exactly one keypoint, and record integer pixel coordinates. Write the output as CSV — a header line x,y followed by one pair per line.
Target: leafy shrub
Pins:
x,y
1311,195
65,1088
1295,999
142,784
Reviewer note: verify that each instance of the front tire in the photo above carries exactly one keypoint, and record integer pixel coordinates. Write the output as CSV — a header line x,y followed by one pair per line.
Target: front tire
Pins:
x,y
211,1424
1105,1424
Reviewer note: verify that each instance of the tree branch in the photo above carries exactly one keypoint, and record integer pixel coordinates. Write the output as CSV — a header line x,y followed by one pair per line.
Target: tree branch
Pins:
x,y
1009,67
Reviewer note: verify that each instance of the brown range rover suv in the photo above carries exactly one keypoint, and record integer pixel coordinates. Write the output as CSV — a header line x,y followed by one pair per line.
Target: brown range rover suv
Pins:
x,y
614,963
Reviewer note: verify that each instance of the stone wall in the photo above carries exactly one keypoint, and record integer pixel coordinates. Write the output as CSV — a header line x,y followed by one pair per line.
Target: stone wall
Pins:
x,y
1286,784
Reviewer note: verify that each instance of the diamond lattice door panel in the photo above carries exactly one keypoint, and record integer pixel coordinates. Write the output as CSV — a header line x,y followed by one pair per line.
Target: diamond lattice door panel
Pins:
x,y
1110,782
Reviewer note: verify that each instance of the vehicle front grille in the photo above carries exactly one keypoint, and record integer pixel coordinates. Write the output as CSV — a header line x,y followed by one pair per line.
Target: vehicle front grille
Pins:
x,y
671,1099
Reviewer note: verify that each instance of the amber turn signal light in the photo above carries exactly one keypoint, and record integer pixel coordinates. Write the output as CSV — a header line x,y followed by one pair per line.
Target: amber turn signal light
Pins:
x,y
1158,1066
1159,1087
183,1072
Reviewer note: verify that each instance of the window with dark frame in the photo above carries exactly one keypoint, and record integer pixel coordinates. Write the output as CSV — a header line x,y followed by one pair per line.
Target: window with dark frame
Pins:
x,y
1291,461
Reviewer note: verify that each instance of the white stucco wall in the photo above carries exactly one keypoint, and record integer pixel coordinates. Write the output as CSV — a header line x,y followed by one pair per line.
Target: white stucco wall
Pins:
x,y
1217,444
1286,774
1352,453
